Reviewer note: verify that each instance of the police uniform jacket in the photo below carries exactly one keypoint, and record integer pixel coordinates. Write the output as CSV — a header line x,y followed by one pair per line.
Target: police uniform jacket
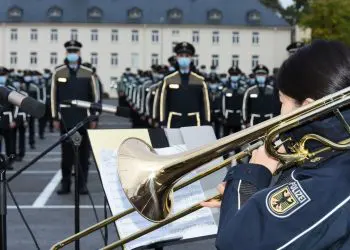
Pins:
x,y
307,208
19,116
7,112
150,99
232,100
258,104
68,84
184,101
215,93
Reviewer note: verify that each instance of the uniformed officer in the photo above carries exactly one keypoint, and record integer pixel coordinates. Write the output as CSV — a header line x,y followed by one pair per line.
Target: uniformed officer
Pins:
x,y
73,81
21,119
7,121
184,97
47,118
232,100
258,100
215,93
33,91
172,63
40,87
294,47
203,71
213,76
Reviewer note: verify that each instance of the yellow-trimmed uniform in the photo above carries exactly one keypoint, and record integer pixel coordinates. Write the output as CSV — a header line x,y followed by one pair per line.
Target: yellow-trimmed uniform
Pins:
x,y
184,101
70,84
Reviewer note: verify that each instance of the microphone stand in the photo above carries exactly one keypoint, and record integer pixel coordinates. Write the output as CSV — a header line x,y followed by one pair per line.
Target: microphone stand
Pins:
x,y
76,140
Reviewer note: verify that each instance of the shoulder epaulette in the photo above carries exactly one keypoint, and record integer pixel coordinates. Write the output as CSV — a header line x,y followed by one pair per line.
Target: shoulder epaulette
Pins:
x,y
86,68
198,76
60,67
171,75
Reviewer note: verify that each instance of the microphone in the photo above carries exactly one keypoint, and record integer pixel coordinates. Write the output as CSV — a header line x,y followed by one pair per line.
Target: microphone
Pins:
x,y
28,104
118,111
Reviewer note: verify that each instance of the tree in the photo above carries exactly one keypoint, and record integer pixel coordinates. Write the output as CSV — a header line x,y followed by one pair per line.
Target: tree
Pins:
x,y
328,19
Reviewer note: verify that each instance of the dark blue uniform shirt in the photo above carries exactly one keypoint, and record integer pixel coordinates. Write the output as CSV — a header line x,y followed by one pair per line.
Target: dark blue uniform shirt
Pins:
x,y
307,208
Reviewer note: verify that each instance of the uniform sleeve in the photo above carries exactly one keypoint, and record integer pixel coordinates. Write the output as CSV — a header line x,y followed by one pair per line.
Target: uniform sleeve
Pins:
x,y
245,107
54,98
205,112
163,109
94,92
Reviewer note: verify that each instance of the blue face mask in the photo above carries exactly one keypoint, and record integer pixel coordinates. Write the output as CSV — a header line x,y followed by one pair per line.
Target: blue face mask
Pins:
x,y
46,76
184,62
3,80
171,69
213,86
27,78
234,78
234,85
72,57
261,79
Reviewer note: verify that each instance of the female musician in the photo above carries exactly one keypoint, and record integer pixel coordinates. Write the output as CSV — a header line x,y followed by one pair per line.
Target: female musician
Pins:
x,y
308,207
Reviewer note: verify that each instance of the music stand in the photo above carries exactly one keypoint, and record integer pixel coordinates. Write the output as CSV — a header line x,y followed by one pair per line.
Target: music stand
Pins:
x,y
192,137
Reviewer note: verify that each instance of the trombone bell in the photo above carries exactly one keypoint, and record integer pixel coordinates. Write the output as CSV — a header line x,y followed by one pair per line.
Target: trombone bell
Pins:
x,y
142,179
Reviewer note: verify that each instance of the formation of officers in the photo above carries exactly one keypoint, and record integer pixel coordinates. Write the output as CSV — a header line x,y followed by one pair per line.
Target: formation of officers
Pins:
x,y
180,95
14,122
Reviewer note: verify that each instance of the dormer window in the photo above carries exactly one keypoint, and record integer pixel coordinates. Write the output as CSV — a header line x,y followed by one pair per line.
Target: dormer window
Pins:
x,y
95,13
134,14
55,12
15,12
214,16
254,17
175,15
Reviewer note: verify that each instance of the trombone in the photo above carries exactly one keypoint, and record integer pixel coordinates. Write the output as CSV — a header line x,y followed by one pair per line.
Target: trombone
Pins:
x,y
150,183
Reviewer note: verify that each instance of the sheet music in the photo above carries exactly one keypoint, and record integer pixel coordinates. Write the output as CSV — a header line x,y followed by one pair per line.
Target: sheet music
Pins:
x,y
197,224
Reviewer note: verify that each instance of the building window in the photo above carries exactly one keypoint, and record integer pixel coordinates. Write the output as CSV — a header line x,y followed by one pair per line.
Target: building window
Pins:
x,y
14,35
53,58
54,35
175,32
235,37
94,58
255,61
114,36
134,60
34,35
33,58
134,35
13,58
216,37
215,60
235,61
255,38
195,36
155,59
74,34
94,35
196,60
155,36
114,59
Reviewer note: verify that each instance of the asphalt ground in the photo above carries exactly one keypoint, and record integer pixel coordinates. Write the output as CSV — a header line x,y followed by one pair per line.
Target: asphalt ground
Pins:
x,y
51,217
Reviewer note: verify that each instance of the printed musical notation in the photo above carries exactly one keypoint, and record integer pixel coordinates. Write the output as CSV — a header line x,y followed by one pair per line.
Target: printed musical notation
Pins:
x,y
185,228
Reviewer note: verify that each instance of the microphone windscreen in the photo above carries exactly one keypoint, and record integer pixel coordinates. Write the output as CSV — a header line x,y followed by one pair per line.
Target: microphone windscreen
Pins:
x,y
33,107
123,112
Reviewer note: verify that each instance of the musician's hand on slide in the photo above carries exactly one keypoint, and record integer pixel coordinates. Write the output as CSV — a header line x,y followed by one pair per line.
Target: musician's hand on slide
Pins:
x,y
261,157
215,203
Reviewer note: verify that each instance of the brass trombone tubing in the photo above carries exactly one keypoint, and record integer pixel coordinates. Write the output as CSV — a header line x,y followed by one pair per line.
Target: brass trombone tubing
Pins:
x,y
114,218
160,224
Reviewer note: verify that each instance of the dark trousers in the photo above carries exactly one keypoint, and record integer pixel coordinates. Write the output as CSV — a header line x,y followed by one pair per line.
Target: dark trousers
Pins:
x,y
10,146
47,118
217,128
230,129
68,158
31,125
20,131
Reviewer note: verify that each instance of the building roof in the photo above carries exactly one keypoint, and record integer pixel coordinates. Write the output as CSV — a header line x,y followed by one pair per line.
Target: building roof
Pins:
x,y
219,12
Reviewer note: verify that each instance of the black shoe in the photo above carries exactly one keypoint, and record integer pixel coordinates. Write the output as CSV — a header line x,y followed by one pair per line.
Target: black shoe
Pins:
x,y
83,191
32,146
9,166
42,137
19,158
65,189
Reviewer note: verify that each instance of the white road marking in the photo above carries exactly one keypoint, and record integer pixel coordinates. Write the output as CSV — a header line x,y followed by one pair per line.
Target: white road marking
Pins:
x,y
49,153
51,159
48,190
55,207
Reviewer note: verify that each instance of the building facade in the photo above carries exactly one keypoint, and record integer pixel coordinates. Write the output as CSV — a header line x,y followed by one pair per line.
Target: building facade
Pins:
x,y
143,38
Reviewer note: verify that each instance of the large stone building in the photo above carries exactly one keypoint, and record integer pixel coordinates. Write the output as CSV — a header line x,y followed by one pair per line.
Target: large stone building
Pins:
x,y
138,33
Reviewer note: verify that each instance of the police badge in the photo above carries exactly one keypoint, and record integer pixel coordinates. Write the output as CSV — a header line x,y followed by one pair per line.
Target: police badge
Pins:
x,y
286,199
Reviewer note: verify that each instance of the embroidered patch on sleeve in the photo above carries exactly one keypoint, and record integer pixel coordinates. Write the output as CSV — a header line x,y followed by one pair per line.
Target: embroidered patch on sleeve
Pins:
x,y
286,199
